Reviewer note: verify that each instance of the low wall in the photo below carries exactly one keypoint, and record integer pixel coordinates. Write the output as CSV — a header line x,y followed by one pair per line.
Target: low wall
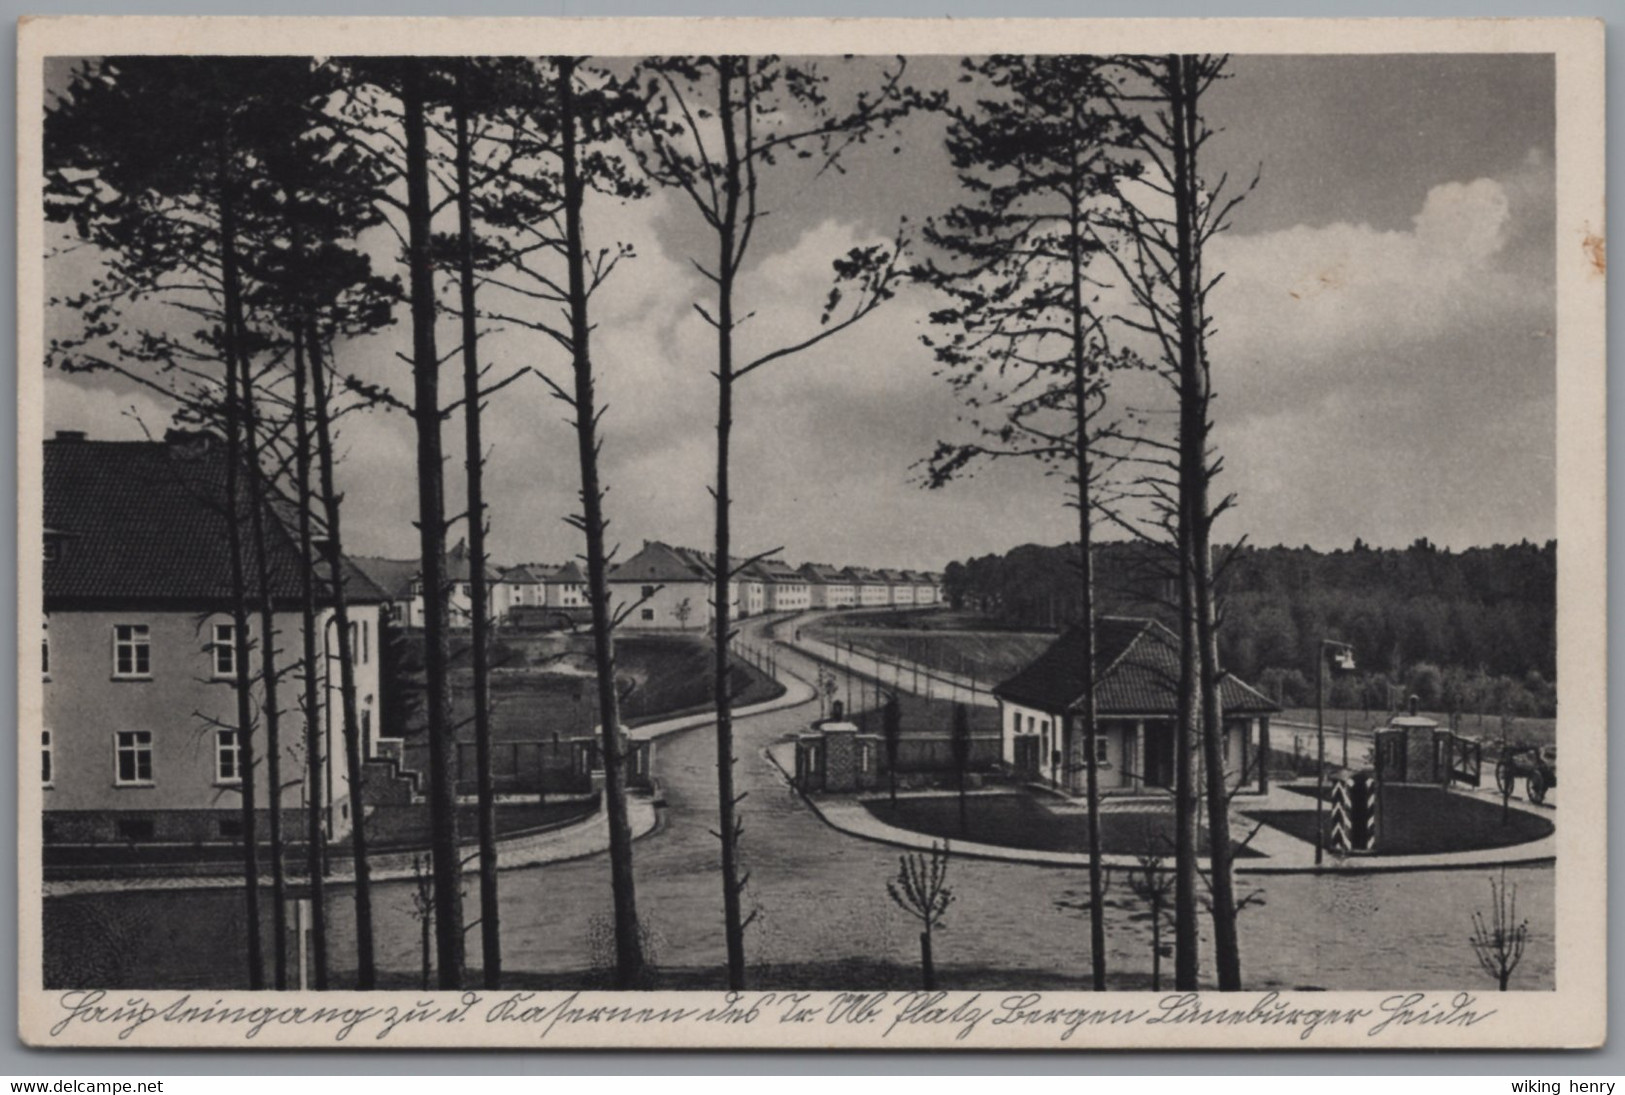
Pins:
x,y
223,826
935,753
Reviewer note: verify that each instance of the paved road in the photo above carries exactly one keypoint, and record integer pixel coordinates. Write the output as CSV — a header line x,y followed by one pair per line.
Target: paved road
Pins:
x,y
820,896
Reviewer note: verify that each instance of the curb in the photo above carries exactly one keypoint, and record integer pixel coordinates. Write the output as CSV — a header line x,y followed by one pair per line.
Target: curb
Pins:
x,y
392,866
896,837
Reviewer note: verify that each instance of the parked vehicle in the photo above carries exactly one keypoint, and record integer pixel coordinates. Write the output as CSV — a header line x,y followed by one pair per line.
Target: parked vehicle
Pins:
x,y
1535,764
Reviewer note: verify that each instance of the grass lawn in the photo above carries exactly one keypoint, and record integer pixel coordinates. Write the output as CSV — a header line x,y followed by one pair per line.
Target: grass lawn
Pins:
x,y
1020,821
990,656
391,828
1423,821
660,677
929,618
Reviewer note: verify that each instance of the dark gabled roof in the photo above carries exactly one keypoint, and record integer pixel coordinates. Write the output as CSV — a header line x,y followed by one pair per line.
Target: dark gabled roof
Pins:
x,y
359,588
147,521
460,568
823,574
658,562
543,573
1137,667
894,577
865,576
777,570
393,576
568,574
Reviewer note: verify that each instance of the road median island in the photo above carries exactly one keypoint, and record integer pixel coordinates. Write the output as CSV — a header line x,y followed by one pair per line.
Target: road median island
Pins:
x,y
855,815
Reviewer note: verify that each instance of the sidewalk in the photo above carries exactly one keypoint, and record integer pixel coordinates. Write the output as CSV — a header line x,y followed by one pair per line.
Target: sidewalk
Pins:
x,y
1279,852
588,837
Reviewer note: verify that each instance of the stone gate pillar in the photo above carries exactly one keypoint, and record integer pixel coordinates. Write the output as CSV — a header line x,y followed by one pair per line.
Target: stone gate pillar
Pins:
x,y
841,760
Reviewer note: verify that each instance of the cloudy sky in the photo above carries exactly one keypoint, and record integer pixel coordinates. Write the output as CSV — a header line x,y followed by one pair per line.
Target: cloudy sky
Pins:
x,y
1384,364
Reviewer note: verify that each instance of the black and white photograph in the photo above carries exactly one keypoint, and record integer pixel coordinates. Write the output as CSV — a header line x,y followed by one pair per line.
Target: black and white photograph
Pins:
x,y
811,533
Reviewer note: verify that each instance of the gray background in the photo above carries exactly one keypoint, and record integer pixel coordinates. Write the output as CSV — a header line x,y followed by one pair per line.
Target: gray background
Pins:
x,y
17,1060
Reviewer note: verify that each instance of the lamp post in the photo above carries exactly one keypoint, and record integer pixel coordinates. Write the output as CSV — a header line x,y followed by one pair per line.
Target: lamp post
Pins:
x,y
1345,660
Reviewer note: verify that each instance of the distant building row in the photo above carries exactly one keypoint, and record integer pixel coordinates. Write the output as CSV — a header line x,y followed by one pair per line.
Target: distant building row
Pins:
x,y
659,587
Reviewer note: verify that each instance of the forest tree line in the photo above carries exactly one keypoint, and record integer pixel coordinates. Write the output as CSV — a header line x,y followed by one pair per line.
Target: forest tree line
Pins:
x,y
1471,631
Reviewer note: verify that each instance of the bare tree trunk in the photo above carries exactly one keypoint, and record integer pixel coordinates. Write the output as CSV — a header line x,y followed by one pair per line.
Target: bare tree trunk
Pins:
x,y
728,824
366,977
1194,476
315,754
1221,882
1221,885
479,597
269,682
236,370
629,958
1086,587
1156,947
448,893
1190,412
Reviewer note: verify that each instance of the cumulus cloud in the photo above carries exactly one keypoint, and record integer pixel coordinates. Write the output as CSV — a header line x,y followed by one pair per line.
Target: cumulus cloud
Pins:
x,y
1413,372
1370,381
1310,310
103,407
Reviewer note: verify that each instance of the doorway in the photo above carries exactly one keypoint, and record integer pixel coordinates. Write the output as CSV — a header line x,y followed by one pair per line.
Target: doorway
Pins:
x,y
1159,755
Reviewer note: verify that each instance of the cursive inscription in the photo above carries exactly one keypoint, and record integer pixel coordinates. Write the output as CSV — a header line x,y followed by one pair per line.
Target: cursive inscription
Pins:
x,y
95,1015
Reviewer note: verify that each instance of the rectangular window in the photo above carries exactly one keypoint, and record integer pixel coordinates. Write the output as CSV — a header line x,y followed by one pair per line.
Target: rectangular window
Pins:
x,y
648,591
45,650
223,647
47,767
466,592
366,641
53,550
1101,754
132,651
228,757
132,751
648,614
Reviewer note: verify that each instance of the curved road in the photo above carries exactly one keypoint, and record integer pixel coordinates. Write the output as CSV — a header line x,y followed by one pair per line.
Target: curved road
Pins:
x,y
820,897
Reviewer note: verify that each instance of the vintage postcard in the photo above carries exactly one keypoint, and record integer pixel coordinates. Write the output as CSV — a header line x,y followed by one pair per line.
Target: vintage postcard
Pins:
x,y
811,533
